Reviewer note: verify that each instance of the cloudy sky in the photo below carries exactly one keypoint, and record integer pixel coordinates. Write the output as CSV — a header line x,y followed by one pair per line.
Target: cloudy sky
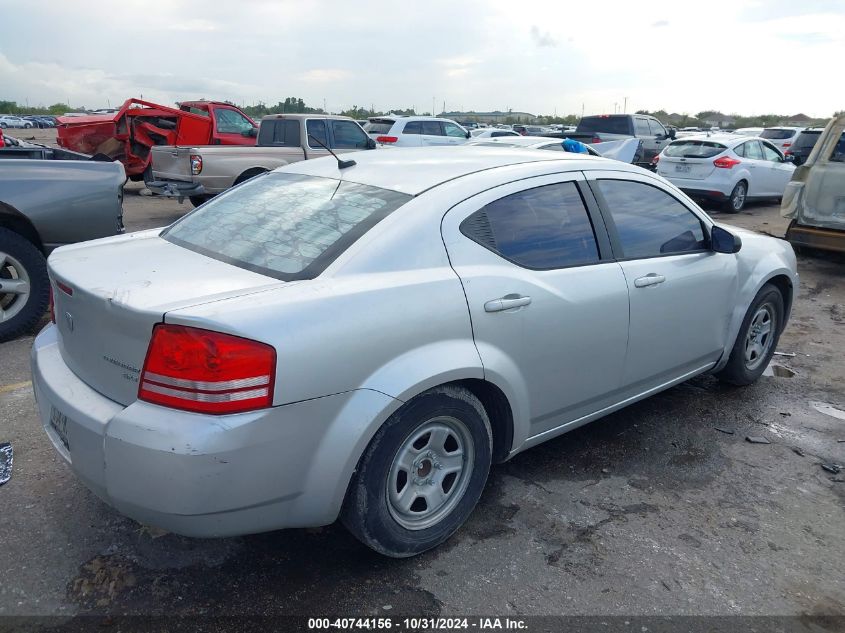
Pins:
x,y
745,56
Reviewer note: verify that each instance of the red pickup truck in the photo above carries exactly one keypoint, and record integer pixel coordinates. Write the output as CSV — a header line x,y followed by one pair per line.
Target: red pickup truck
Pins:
x,y
130,133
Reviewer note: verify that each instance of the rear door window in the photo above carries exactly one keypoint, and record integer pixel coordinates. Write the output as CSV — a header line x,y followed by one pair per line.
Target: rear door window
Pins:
x,y
316,128
286,226
649,222
413,127
542,228
432,128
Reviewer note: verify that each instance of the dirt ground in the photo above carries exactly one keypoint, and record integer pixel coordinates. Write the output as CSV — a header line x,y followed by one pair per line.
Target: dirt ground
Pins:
x,y
649,511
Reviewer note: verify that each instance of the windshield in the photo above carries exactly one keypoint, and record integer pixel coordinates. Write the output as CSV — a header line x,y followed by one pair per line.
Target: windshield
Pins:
x,y
695,149
286,226
807,140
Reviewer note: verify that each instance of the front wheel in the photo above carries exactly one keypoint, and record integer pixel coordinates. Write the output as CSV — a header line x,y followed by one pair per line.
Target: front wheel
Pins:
x,y
736,201
757,339
198,200
422,473
24,286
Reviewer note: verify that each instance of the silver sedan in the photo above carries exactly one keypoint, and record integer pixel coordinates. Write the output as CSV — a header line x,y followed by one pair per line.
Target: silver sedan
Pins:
x,y
364,341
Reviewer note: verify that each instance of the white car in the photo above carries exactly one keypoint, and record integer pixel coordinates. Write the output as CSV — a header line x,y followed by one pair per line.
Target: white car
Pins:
x,y
415,131
725,168
15,121
781,137
491,132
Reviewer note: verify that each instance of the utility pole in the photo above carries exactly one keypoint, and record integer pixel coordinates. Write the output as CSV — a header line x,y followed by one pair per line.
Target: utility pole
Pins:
x,y
625,111
432,106
324,106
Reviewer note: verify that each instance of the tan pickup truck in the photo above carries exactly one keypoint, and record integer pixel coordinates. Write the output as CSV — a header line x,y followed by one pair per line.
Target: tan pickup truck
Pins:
x,y
198,173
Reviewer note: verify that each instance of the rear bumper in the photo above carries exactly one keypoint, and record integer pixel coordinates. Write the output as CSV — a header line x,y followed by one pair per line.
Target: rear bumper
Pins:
x,y
176,188
816,237
201,475
705,194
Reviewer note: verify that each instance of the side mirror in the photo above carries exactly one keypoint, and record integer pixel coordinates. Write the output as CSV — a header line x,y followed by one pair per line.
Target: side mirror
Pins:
x,y
371,144
671,133
789,158
250,132
723,241
468,134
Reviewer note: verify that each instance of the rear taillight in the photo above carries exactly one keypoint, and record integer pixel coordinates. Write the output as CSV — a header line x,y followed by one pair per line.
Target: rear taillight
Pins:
x,y
196,164
787,145
726,162
787,153
207,372
595,139
387,139
656,159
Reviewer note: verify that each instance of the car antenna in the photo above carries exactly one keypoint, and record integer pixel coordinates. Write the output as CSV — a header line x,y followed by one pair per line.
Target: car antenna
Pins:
x,y
341,164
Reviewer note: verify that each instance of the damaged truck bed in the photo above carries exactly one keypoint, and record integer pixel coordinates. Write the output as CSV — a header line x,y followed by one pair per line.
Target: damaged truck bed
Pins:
x,y
129,134
815,197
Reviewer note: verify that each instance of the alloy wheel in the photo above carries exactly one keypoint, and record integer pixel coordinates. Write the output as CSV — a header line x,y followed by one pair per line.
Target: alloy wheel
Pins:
x,y
14,287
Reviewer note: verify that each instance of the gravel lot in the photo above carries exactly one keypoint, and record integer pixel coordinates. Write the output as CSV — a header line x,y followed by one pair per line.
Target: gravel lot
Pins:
x,y
649,511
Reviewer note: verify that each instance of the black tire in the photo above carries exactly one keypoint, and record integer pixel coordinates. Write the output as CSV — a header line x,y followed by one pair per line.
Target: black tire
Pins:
x,y
34,305
739,371
736,201
367,512
198,200
249,173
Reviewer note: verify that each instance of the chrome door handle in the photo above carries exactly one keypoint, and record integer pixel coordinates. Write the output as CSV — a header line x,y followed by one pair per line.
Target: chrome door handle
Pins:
x,y
506,303
652,279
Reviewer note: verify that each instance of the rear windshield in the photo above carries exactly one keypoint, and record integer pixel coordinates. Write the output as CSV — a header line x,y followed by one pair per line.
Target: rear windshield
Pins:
x,y
695,149
379,126
777,134
608,125
286,226
807,140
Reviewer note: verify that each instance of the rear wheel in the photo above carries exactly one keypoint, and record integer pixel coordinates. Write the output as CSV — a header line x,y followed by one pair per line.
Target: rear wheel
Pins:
x,y
421,475
249,173
757,339
198,200
736,201
24,286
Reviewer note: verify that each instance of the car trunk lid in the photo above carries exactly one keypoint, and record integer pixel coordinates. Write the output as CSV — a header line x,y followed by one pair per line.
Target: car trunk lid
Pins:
x,y
109,294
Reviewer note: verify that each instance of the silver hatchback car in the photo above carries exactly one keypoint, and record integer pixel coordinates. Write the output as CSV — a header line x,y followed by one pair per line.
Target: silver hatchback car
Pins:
x,y
364,342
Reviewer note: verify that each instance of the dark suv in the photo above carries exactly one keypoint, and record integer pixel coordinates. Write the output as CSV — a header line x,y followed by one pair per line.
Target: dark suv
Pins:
x,y
804,144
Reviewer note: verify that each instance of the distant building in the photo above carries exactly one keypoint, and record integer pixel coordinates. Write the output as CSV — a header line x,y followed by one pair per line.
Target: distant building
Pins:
x,y
799,120
491,117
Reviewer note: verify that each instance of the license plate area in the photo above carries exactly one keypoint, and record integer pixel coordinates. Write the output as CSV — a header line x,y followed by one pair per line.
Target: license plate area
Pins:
x,y
58,422
683,169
